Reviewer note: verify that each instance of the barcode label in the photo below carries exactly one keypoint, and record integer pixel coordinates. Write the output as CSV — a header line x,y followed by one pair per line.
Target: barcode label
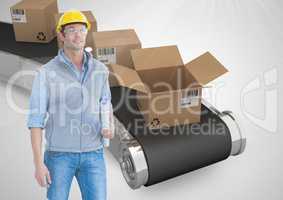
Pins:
x,y
106,51
19,16
193,93
106,55
18,11
190,98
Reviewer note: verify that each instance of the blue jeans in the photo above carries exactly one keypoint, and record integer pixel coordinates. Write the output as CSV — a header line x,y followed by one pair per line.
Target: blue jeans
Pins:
x,y
87,167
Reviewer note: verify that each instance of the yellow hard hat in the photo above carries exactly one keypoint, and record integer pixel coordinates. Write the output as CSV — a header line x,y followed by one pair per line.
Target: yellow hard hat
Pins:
x,y
72,16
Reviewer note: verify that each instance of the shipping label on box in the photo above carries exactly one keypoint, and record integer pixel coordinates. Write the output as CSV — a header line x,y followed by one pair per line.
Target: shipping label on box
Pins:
x,y
19,16
190,98
106,55
113,47
33,20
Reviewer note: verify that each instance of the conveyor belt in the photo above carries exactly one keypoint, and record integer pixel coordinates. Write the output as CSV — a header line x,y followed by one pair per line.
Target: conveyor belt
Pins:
x,y
176,150
35,51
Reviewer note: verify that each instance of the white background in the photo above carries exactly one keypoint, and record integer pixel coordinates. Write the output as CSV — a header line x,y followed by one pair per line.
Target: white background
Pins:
x,y
246,36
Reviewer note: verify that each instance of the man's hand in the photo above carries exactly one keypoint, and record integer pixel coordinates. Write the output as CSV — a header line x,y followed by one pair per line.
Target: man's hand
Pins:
x,y
42,175
107,133
41,172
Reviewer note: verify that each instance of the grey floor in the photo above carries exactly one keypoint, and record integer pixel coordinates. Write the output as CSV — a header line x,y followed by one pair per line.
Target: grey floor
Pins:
x,y
246,36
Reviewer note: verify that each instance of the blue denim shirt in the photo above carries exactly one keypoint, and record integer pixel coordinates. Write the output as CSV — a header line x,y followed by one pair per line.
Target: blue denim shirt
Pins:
x,y
71,105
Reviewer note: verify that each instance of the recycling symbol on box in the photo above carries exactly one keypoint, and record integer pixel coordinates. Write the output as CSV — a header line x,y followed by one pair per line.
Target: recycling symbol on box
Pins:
x,y
155,123
41,36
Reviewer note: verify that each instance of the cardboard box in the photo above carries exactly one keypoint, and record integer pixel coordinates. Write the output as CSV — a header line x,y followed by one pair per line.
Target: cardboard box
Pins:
x,y
168,92
89,38
33,20
113,47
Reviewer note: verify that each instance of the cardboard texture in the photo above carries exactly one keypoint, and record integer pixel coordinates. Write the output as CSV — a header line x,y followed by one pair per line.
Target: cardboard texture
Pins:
x,y
89,38
113,47
33,20
168,92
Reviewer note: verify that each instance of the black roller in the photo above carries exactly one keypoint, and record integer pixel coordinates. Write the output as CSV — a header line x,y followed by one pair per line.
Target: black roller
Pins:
x,y
176,150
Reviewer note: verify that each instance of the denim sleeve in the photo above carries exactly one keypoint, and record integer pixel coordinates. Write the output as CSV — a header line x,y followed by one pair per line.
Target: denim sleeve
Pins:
x,y
38,101
105,104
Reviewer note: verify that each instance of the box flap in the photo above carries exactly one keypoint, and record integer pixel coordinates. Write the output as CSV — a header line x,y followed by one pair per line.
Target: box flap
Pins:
x,y
205,68
156,57
115,38
124,76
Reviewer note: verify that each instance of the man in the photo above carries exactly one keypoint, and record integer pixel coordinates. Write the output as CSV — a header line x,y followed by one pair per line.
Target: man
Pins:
x,y
71,100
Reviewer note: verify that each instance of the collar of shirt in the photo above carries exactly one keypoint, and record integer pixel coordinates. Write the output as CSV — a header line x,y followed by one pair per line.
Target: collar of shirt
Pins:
x,y
79,74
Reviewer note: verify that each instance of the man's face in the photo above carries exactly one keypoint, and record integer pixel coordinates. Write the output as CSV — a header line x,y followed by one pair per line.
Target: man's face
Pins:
x,y
74,36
